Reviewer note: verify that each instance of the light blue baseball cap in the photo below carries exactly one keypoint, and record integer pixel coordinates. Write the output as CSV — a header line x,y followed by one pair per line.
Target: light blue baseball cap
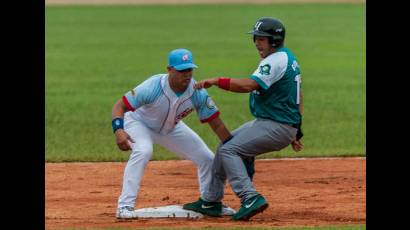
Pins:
x,y
181,59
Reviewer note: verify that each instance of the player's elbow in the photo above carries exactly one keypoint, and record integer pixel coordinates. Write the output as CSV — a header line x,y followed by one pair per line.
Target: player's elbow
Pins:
x,y
249,87
243,85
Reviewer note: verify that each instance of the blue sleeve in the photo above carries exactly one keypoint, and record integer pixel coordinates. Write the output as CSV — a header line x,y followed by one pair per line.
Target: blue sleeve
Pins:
x,y
145,93
204,105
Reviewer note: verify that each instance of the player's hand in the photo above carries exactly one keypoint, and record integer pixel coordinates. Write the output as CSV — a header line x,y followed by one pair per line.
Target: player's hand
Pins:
x,y
123,139
297,145
206,83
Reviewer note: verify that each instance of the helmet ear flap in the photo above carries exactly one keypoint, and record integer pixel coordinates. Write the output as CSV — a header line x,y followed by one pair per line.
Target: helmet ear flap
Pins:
x,y
277,40
271,41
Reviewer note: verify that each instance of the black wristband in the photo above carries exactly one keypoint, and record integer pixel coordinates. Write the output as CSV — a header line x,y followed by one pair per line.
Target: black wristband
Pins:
x,y
117,123
299,134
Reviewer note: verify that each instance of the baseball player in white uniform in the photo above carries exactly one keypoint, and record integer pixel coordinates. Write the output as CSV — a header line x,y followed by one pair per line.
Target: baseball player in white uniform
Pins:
x,y
152,113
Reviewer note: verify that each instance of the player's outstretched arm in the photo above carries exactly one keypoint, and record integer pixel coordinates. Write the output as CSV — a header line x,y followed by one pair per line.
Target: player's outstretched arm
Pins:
x,y
220,129
121,136
242,85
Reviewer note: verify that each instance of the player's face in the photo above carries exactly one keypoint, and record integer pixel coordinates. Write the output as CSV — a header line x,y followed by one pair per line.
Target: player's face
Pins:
x,y
182,77
263,46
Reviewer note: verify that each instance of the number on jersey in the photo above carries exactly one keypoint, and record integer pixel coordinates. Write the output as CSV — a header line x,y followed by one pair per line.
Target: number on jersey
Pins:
x,y
298,81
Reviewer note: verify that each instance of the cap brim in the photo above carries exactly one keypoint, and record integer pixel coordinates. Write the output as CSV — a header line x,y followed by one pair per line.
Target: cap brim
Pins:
x,y
185,66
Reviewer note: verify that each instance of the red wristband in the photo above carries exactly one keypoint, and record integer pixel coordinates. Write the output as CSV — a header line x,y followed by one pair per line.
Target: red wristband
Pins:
x,y
224,83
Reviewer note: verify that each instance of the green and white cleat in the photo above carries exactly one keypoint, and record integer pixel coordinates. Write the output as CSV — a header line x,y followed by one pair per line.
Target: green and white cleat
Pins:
x,y
250,208
206,208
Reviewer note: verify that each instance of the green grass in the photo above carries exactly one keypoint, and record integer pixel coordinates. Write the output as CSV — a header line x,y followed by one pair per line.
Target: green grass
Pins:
x,y
94,54
348,227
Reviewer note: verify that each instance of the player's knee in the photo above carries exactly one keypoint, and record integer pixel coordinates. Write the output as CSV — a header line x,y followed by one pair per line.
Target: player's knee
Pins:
x,y
204,159
143,153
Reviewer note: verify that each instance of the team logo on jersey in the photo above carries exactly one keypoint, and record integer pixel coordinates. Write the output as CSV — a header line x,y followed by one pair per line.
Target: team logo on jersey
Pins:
x,y
210,103
185,57
183,114
264,69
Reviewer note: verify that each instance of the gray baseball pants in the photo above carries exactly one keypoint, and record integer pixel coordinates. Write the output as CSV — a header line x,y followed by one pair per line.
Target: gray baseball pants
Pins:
x,y
251,139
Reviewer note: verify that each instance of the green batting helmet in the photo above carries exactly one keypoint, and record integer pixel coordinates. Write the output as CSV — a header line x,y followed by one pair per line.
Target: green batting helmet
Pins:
x,y
271,28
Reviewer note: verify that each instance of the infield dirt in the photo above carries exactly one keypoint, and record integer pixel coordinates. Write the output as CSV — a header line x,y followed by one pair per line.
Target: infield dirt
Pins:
x,y
311,192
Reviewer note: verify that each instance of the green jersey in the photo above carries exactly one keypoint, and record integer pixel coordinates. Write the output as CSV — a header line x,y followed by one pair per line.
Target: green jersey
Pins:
x,y
278,97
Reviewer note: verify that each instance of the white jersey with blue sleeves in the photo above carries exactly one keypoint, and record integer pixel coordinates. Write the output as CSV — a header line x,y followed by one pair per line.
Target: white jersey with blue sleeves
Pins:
x,y
156,104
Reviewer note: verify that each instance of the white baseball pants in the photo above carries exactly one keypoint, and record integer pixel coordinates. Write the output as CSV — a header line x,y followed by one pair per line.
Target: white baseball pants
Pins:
x,y
181,140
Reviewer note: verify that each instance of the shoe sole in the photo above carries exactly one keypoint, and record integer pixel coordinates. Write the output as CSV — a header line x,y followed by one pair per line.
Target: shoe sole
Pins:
x,y
254,212
124,218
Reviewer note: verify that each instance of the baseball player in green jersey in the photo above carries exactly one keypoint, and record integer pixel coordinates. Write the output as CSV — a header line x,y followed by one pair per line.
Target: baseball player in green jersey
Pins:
x,y
276,102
